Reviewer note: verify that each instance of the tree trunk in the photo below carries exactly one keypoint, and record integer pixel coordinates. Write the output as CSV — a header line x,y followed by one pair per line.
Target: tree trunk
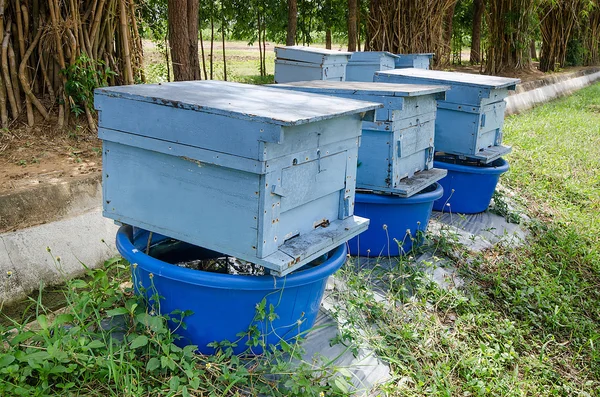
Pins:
x,y
447,35
532,49
328,38
292,22
183,39
352,21
476,32
192,26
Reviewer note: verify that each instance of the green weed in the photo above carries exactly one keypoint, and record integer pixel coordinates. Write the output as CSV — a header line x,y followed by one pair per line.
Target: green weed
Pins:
x,y
107,341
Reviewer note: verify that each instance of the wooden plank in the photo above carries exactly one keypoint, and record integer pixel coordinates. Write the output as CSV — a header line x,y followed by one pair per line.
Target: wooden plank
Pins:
x,y
311,180
313,137
190,153
492,153
241,101
305,248
205,205
455,78
410,186
311,54
362,88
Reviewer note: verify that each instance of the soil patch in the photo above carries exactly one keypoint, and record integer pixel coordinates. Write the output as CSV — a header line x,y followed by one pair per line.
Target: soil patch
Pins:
x,y
30,156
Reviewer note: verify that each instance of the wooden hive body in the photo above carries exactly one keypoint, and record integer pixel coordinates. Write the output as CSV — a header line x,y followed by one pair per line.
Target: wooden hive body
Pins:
x,y
298,63
419,61
363,65
249,171
396,152
470,120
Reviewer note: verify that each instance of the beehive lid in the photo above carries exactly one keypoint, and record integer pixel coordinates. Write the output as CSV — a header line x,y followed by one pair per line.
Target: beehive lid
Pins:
x,y
370,56
454,78
420,54
363,89
241,101
309,54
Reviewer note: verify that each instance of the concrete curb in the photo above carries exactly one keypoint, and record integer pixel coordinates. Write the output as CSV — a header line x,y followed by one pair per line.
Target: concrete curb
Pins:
x,y
531,94
74,242
48,201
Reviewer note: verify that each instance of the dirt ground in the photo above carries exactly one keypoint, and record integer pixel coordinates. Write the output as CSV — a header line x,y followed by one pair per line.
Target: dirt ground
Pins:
x,y
30,156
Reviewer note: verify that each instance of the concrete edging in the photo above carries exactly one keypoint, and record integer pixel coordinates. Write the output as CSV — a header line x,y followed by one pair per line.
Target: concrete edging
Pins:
x,y
531,94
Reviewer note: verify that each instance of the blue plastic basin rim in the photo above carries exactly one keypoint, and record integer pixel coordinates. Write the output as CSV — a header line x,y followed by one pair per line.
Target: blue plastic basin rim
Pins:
x,y
225,281
386,199
499,166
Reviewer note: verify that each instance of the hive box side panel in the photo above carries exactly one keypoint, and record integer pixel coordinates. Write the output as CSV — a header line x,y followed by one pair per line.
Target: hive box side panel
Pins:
x,y
456,131
311,55
461,94
415,106
414,150
208,131
314,137
364,71
375,160
289,71
360,71
205,205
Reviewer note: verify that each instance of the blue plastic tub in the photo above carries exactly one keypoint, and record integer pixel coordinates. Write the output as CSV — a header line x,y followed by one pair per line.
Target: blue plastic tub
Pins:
x,y
224,305
391,219
468,188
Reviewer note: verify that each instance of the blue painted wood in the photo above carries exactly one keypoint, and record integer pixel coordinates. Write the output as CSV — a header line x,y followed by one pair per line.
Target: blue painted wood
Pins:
x,y
311,54
470,119
399,100
236,176
363,65
288,71
295,63
420,61
397,148
467,88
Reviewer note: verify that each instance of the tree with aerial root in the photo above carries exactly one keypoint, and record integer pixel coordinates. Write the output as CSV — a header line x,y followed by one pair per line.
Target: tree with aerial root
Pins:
x,y
54,53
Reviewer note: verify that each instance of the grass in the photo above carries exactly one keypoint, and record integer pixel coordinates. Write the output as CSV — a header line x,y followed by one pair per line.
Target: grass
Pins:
x,y
525,323
242,63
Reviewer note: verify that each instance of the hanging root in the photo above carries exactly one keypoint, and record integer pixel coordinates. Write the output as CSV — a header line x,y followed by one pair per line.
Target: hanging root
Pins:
x,y
45,45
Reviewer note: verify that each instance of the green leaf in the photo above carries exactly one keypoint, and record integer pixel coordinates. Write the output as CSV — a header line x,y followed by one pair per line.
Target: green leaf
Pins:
x,y
21,337
59,369
63,319
42,321
140,341
195,383
174,384
342,385
153,364
6,360
117,312
344,372
95,344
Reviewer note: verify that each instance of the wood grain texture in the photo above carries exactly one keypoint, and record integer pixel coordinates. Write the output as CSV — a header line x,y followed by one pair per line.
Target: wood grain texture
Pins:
x,y
235,100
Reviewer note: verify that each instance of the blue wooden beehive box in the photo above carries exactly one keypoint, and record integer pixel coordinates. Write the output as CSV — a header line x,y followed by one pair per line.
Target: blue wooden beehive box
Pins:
x,y
419,61
396,153
470,119
298,63
363,65
262,174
